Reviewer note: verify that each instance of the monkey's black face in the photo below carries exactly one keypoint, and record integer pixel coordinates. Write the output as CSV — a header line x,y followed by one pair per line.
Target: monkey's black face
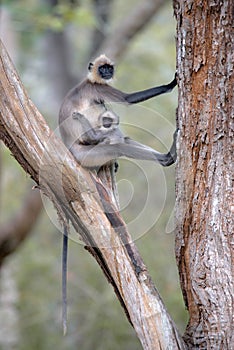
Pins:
x,y
106,71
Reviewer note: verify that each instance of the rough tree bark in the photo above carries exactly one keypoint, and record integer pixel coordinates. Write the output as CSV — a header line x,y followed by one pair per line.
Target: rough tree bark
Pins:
x,y
82,198
205,169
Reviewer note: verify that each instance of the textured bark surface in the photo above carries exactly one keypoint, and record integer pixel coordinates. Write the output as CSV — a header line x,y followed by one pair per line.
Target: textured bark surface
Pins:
x,y
205,170
89,204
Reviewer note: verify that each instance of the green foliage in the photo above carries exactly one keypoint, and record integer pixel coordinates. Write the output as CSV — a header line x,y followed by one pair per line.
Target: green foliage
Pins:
x,y
62,15
34,17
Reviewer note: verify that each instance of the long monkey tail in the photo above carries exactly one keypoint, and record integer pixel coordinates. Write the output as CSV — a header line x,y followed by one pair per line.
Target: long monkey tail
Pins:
x,y
64,279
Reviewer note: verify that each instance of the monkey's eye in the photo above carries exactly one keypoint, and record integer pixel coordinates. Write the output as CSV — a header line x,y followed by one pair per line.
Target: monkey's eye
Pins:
x,y
106,71
107,122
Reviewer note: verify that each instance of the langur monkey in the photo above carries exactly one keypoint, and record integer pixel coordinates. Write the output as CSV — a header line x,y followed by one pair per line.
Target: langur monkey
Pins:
x,y
91,131
103,141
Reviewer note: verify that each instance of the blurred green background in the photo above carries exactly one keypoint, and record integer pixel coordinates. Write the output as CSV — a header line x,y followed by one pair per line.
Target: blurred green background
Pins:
x,y
30,278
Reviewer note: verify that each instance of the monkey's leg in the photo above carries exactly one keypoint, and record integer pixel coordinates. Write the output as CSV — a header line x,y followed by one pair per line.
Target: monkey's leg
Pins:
x,y
144,95
93,156
164,159
137,150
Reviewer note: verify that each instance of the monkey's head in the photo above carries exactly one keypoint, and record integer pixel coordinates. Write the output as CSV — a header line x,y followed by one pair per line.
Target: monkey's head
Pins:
x,y
101,70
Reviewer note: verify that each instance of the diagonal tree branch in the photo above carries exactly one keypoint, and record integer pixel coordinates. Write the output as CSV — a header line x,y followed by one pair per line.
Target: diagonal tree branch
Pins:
x,y
14,232
81,197
102,11
117,42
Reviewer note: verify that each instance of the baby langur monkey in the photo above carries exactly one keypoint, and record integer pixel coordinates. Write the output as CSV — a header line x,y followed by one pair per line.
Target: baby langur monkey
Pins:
x,y
103,142
91,131
85,121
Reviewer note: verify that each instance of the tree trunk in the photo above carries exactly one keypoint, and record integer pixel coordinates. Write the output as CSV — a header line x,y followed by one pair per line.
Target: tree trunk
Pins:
x,y
204,209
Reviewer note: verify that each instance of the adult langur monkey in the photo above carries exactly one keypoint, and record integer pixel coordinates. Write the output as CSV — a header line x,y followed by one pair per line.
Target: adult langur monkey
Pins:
x,y
91,131
89,100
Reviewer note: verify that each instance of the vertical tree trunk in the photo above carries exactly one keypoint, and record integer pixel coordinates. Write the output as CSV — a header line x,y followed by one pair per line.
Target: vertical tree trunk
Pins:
x,y
204,211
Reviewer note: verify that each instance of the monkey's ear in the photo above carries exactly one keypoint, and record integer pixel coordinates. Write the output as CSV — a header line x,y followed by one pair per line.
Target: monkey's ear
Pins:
x,y
90,66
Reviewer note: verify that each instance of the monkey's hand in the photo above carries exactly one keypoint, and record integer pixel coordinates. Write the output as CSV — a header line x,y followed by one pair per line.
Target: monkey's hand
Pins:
x,y
173,83
105,141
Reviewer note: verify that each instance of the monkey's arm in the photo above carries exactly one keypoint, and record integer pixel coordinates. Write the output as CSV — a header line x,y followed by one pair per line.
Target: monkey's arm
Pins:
x,y
106,129
94,156
144,95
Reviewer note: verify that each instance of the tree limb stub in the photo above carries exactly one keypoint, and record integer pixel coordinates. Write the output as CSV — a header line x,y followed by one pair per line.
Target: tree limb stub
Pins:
x,y
80,197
